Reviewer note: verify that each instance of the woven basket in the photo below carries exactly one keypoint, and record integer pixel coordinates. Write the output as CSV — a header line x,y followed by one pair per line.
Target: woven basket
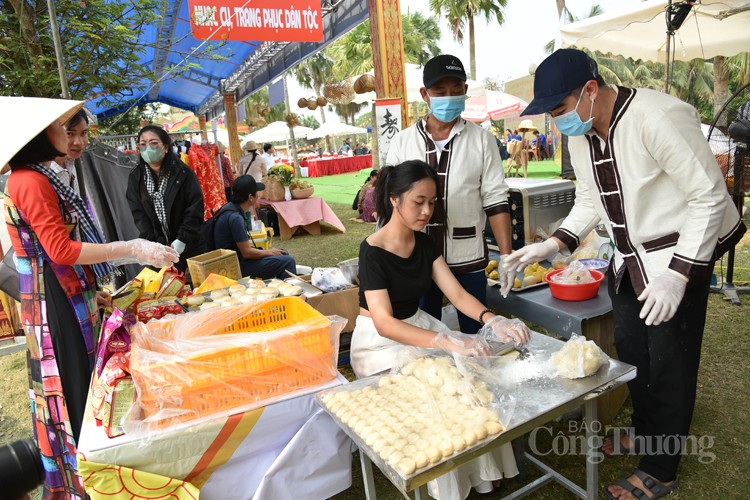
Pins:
x,y
274,189
302,193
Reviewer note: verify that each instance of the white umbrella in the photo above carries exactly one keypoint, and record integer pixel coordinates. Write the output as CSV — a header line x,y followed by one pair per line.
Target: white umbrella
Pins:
x,y
493,105
330,128
712,28
277,132
414,83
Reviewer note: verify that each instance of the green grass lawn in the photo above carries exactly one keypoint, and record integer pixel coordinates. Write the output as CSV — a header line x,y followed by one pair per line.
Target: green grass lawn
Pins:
x,y
721,408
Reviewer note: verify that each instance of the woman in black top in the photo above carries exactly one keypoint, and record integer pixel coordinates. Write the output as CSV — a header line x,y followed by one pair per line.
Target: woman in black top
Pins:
x,y
397,264
165,197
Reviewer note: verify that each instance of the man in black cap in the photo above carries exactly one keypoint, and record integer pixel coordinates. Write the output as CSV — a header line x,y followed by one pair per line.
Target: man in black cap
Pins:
x,y
646,172
230,232
472,184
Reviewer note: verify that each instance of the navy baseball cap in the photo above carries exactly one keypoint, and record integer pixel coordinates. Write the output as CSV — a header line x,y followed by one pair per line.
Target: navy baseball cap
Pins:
x,y
442,66
562,72
245,185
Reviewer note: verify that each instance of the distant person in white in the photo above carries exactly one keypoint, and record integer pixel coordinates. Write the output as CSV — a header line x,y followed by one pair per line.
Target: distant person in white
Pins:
x,y
269,154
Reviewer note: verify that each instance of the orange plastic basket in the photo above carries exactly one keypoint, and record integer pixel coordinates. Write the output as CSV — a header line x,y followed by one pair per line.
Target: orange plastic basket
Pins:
x,y
268,363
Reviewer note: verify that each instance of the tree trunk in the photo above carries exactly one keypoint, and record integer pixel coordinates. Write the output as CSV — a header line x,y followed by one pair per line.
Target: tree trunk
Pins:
x,y
329,145
26,17
560,8
721,86
472,53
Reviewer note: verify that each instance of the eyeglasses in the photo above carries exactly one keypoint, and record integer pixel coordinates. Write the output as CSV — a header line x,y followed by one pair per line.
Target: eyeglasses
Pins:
x,y
150,144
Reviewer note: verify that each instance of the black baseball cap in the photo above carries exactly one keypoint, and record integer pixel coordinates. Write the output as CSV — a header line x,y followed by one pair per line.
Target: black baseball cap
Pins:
x,y
244,186
440,67
562,72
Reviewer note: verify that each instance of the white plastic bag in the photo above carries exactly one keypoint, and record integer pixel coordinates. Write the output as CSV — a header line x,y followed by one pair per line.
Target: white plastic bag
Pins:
x,y
329,279
578,358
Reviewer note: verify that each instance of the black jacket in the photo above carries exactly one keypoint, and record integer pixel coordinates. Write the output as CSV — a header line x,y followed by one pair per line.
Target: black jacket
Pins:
x,y
183,204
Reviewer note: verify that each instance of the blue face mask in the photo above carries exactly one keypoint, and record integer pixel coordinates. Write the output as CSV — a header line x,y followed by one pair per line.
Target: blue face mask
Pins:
x,y
446,109
152,155
571,124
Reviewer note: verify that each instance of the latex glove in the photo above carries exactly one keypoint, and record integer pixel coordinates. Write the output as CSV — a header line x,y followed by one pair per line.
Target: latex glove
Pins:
x,y
506,277
662,297
531,253
179,246
140,251
508,330
460,343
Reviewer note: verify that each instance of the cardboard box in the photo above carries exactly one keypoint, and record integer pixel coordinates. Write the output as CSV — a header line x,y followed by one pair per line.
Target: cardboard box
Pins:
x,y
344,303
221,261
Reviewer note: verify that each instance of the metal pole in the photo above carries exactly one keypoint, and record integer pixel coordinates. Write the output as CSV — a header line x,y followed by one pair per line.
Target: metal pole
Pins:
x,y
293,148
58,49
669,36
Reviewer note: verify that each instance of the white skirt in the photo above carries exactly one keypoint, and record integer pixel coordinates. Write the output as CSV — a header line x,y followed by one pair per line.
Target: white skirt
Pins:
x,y
372,354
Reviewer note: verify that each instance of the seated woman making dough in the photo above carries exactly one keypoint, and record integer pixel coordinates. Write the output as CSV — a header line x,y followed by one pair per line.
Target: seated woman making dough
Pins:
x,y
397,265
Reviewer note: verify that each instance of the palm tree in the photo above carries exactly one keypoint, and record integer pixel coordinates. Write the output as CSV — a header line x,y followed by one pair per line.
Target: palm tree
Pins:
x,y
313,73
459,11
353,51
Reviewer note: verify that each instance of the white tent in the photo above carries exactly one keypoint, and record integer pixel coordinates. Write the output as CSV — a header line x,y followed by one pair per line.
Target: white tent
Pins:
x,y
414,83
712,28
330,128
277,132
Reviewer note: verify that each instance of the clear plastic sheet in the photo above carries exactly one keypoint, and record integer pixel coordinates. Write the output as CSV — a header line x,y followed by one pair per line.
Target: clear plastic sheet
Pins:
x,y
578,358
219,362
575,274
423,413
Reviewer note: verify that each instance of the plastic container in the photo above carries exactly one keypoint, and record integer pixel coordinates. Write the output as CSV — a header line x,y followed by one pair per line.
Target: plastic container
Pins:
x,y
286,345
574,292
600,265
350,269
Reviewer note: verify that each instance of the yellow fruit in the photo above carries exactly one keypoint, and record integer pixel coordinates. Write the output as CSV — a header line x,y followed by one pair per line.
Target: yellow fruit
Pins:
x,y
530,280
517,283
540,274
493,275
491,265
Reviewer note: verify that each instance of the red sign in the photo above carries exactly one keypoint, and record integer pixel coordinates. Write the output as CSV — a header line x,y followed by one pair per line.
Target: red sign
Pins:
x,y
272,20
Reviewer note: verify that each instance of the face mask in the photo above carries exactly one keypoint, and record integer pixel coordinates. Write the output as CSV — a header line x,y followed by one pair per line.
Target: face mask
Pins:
x,y
571,124
446,109
152,155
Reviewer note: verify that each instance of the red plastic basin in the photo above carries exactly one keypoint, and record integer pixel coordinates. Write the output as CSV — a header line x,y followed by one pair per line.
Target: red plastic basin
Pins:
x,y
574,292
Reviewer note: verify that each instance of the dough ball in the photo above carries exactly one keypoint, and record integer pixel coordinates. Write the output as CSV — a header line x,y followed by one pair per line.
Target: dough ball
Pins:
x,y
395,457
408,368
410,450
209,305
446,448
413,438
385,380
195,300
406,466
290,290
493,427
253,292
458,443
249,299
218,294
470,437
433,453
378,445
421,459
480,431
399,443
237,289
256,284
387,451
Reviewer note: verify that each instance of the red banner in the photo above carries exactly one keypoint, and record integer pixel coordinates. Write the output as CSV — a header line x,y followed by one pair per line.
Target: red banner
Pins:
x,y
247,20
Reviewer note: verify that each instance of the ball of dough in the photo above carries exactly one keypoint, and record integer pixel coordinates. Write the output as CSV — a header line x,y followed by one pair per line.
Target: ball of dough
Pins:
x,y
218,294
446,448
470,437
421,459
406,466
249,299
458,443
493,427
237,288
195,300
395,457
433,453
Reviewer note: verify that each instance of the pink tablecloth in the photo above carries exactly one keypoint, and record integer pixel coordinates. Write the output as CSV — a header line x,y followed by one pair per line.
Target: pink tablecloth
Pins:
x,y
305,211
317,167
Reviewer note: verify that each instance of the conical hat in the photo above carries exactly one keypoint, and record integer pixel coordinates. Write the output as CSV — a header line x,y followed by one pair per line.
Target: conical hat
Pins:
x,y
25,117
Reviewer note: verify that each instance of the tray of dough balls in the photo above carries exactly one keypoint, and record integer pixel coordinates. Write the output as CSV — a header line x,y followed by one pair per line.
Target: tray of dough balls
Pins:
x,y
411,421
246,291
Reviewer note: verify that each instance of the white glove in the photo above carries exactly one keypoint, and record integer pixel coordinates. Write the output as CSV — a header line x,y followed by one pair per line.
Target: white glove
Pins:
x,y
530,254
508,330
179,246
461,343
140,251
662,297
506,277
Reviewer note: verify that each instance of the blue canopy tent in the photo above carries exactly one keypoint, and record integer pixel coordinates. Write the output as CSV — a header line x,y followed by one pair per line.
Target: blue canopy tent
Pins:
x,y
242,68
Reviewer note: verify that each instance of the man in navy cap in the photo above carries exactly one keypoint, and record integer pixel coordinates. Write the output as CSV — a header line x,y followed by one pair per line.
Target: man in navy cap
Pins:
x,y
646,172
472,185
